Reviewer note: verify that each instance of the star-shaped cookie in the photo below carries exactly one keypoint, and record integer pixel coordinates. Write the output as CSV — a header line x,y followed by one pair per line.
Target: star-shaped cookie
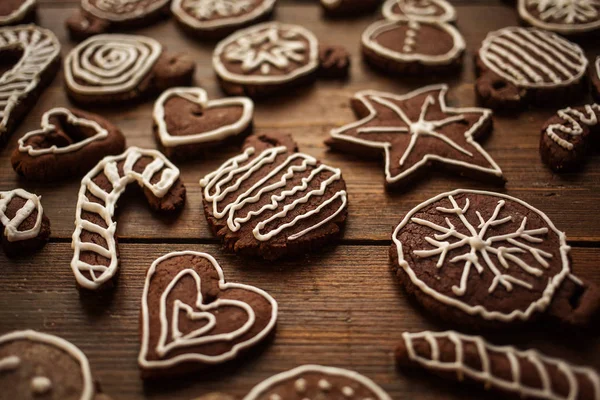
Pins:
x,y
417,130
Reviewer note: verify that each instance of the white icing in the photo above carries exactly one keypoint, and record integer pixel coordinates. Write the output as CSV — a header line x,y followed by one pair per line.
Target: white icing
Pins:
x,y
347,391
369,40
574,120
197,13
41,385
533,58
9,363
285,46
280,380
598,66
11,226
218,184
418,128
200,336
112,63
18,14
87,391
562,16
47,128
501,253
331,4
169,174
122,10
300,385
199,96
422,10
572,374
324,385
40,48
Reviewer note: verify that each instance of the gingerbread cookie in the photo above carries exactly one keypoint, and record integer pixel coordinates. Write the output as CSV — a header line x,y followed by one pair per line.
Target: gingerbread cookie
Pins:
x,y
192,318
32,55
568,137
596,79
69,143
271,201
415,131
568,17
339,8
16,11
424,10
106,69
186,122
334,62
96,259
504,369
214,19
483,259
517,67
317,382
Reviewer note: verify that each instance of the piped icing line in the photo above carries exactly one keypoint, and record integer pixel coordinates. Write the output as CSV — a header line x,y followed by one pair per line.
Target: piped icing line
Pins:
x,y
294,374
238,47
111,63
573,124
11,226
539,305
199,96
230,12
598,67
331,4
198,337
87,391
225,174
40,49
571,373
169,174
18,14
47,128
432,11
575,16
117,10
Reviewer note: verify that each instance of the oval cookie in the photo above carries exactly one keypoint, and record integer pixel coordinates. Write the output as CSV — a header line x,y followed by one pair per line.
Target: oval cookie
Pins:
x,y
565,17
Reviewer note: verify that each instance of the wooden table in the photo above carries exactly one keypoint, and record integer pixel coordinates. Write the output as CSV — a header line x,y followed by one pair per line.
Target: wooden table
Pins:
x,y
342,307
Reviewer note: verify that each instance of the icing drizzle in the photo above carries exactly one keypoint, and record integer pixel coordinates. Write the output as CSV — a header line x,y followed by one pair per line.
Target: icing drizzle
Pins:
x,y
422,10
214,14
563,16
574,121
18,14
11,226
122,10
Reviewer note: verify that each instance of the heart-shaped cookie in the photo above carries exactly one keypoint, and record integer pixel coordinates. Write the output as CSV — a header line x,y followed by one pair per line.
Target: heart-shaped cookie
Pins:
x,y
186,122
190,314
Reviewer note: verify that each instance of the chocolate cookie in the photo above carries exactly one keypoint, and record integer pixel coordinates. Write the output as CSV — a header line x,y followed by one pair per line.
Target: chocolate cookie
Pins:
x,y
96,259
25,227
17,11
416,131
517,67
488,260
317,382
192,318
107,69
425,10
36,365
596,79
569,136
565,17
101,16
271,201
339,8
29,59
214,19
186,123
511,372
69,144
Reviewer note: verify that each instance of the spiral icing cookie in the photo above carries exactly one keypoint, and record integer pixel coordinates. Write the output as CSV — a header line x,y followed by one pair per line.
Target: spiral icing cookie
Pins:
x,y
317,382
517,67
69,143
191,318
16,11
111,68
424,10
35,53
96,259
186,122
271,201
596,79
567,17
336,8
218,18
483,259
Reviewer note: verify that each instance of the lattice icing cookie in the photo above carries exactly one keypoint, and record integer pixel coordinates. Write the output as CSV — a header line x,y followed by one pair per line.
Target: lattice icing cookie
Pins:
x,y
349,7
115,68
566,17
35,53
192,318
16,11
520,66
596,79
271,201
486,259
318,382
95,259
504,369
424,10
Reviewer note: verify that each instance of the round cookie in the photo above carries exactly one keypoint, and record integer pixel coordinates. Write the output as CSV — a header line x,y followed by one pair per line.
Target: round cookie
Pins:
x,y
17,11
570,17
423,10
596,79
271,201
340,8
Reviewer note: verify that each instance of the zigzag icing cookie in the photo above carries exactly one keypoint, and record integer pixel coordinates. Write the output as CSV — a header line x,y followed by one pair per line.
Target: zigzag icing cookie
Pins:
x,y
15,11
423,10
562,16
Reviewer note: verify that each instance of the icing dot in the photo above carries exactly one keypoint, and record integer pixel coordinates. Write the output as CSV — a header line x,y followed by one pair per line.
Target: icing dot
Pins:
x,y
9,363
347,391
300,385
275,397
414,25
324,385
41,385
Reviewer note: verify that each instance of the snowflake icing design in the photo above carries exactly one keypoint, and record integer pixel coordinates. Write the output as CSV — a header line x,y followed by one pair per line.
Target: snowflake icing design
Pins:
x,y
205,9
567,11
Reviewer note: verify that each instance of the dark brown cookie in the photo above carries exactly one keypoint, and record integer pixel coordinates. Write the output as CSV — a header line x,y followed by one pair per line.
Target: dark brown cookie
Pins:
x,y
186,123
191,318
514,373
341,8
334,62
96,259
271,201
29,59
69,144
415,131
596,79
108,69
573,17
517,67
488,260
569,136
425,10
14,12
